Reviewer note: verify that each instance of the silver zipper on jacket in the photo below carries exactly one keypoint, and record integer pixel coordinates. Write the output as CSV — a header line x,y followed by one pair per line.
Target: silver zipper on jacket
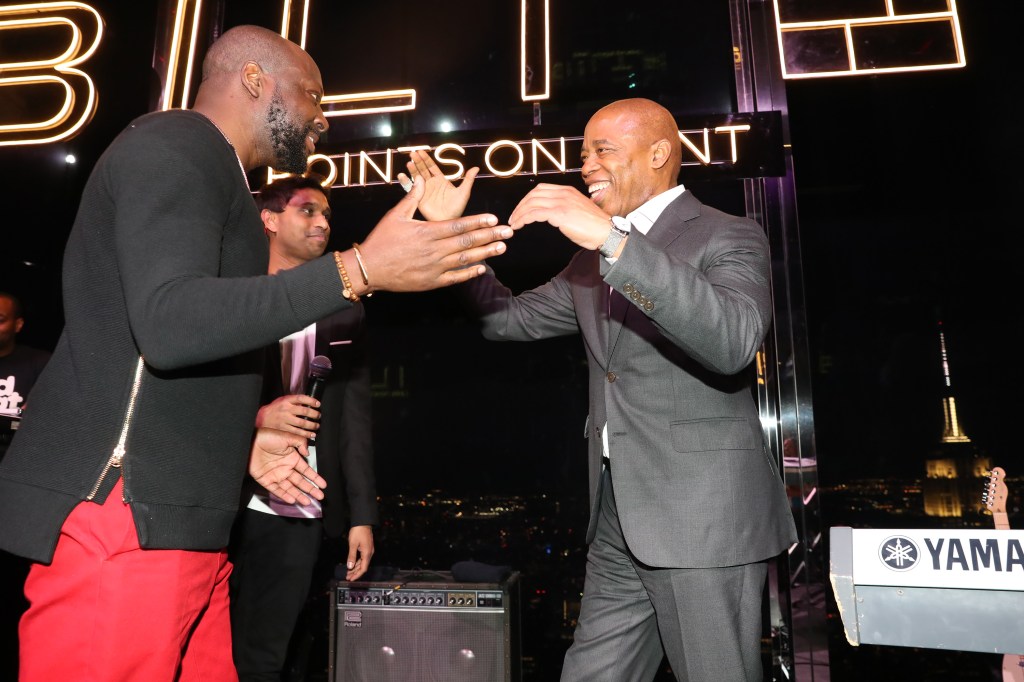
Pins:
x,y
117,456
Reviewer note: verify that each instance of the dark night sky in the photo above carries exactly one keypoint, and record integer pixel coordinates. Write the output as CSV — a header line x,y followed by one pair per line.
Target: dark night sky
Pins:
x,y
905,184
906,187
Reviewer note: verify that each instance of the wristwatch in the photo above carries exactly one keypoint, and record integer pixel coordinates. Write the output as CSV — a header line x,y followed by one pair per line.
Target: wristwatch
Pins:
x,y
620,230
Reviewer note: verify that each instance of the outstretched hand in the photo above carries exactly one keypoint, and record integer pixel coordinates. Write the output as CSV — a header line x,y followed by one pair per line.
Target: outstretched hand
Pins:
x,y
278,463
441,200
403,254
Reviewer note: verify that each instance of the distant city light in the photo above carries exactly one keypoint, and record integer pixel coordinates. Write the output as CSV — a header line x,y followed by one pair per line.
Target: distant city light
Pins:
x,y
70,159
446,126
385,130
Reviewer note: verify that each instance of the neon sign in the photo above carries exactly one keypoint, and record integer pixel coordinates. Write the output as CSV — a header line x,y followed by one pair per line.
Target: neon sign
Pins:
x,y
880,41
295,22
177,77
745,145
85,27
528,50
179,51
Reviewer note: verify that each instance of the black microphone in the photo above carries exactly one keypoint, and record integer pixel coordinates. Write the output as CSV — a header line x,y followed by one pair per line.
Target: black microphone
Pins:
x,y
319,370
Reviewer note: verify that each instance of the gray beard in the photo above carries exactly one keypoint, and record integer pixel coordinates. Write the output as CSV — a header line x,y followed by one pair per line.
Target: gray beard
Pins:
x,y
289,142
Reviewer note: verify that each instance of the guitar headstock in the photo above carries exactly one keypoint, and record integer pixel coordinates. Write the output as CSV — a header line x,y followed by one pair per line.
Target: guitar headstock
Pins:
x,y
995,493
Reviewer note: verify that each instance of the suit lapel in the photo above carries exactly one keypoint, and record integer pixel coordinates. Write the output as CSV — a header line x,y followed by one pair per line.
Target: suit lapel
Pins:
x,y
324,334
619,310
602,304
674,220
273,387
590,299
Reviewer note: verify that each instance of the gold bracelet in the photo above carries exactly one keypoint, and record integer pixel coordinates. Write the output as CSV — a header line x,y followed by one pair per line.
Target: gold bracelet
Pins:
x,y
347,292
362,268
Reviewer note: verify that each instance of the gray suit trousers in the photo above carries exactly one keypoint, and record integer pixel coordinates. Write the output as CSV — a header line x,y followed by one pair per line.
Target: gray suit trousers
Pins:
x,y
707,621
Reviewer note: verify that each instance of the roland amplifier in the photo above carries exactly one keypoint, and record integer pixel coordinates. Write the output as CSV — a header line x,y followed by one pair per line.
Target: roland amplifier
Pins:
x,y
411,631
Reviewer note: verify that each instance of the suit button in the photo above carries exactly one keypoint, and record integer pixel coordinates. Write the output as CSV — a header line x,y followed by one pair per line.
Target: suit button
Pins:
x,y
649,306
611,377
635,295
628,288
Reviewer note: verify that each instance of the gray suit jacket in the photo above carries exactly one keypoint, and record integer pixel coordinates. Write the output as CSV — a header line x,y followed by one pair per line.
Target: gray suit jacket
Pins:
x,y
669,356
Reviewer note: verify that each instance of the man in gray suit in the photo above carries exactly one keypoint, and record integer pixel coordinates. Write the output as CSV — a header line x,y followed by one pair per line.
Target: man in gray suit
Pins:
x,y
673,301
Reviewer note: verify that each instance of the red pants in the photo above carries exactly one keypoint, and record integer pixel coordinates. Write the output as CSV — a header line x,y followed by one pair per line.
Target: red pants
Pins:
x,y
107,611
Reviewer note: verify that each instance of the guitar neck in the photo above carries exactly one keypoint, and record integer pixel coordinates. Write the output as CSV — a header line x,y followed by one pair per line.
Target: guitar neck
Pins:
x,y
1001,520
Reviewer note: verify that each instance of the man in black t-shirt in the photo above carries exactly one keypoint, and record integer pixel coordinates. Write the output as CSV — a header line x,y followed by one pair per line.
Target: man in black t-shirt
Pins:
x,y
20,366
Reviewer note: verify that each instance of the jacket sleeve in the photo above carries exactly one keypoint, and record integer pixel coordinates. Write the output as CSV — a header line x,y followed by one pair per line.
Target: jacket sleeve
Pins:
x,y
173,237
539,313
711,298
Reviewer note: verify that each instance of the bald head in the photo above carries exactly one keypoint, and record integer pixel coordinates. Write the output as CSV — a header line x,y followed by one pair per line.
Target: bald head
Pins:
x,y
647,121
244,44
263,92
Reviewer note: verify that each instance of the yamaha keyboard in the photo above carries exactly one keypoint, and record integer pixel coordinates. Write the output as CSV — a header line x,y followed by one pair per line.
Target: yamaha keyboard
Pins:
x,y
935,588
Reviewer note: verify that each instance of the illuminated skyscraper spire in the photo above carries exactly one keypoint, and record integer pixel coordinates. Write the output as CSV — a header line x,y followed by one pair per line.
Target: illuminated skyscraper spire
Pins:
x,y
952,433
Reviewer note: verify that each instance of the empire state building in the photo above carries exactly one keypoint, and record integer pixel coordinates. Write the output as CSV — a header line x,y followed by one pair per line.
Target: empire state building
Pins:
x,y
956,472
